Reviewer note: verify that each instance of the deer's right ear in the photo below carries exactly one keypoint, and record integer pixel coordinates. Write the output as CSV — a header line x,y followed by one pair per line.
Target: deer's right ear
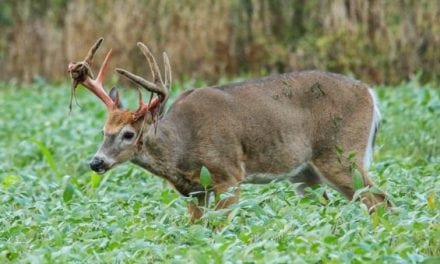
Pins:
x,y
114,95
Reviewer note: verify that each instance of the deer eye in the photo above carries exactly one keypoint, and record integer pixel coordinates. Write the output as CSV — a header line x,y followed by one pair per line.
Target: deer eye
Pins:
x,y
128,135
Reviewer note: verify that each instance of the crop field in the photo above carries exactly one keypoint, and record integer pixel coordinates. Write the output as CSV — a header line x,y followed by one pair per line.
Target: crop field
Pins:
x,y
53,209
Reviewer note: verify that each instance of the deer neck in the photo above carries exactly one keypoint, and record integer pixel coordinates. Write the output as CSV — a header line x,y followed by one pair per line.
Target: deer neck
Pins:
x,y
160,153
157,151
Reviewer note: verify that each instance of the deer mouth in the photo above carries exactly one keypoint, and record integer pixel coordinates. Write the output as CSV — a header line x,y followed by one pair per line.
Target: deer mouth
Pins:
x,y
104,168
101,171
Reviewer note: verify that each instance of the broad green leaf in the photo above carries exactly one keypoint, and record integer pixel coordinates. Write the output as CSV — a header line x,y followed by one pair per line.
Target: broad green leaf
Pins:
x,y
431,200
322,199
95,179
10,181
431,260
351,155
48,156
68,192
358,182
330,239
375,218
205,177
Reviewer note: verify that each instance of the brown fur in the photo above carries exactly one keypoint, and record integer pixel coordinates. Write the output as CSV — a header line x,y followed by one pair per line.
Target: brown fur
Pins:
x,y
262,127
117,119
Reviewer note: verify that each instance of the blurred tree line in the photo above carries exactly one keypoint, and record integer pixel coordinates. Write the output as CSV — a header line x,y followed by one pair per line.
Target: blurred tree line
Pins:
x,y
376,41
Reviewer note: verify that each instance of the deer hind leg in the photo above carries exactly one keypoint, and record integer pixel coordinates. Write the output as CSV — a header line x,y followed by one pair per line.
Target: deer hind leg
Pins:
x,y
338,175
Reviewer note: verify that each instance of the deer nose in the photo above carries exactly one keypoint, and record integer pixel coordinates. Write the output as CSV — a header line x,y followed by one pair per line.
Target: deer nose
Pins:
x,y
96,164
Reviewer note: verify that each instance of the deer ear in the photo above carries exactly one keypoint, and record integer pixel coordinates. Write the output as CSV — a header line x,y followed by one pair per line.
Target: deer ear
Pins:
x,y
114,95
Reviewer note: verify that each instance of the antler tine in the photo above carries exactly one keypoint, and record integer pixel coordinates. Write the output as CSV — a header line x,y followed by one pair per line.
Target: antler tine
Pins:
x,y
152,62
104,66
142,82
167,66
92,51
96,86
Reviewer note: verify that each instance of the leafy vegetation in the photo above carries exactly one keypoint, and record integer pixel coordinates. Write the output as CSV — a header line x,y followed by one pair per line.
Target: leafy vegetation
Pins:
x,y
53,209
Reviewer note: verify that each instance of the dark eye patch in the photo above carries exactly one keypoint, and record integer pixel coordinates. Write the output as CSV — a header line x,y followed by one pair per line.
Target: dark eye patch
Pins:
x,y
128,135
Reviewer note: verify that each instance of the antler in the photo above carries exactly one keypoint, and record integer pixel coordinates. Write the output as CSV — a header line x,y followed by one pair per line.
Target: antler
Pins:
x,y
81,73
159,85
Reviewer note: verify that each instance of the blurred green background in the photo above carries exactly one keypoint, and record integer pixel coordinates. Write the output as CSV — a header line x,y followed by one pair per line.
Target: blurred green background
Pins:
x,y
376,41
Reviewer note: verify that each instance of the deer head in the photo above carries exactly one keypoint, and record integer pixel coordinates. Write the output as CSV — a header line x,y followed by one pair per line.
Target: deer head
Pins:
x,y
123,128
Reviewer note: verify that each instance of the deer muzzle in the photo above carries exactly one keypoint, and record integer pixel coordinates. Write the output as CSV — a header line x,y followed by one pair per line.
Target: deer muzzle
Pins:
x,y
99,164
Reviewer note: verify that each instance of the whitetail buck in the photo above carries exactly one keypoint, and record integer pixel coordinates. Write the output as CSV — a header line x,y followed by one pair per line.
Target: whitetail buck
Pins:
x,y
289,126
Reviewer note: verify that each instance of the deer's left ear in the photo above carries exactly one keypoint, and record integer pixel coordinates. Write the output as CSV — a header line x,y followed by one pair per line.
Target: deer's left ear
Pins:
x,y
114,95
